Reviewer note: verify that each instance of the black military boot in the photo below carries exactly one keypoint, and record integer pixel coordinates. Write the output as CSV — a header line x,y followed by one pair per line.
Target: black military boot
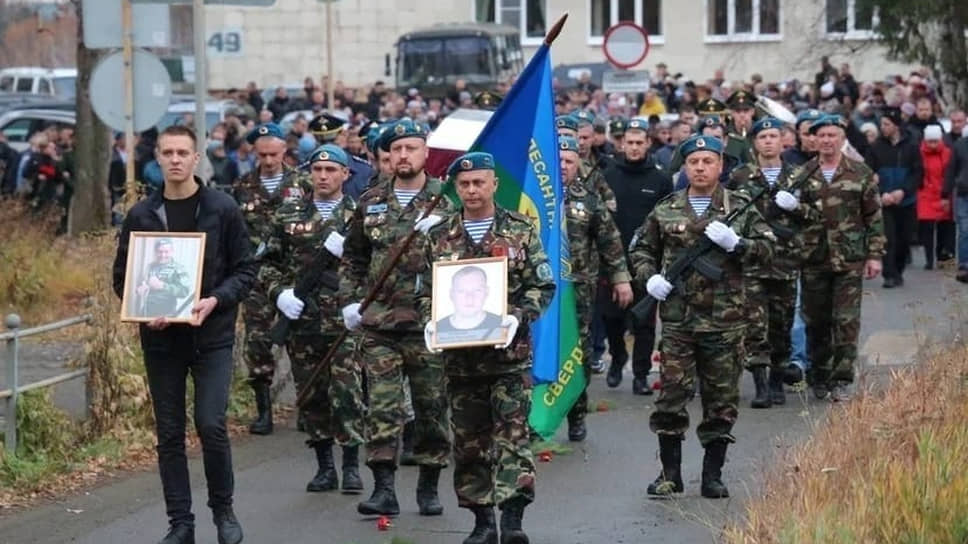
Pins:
x,y
352,484
669,480
182,534
614,377
383,501
485,526
511,516
777,394
325,479
576,428
762,398
263,403
712,470
226,526
406,454
427,498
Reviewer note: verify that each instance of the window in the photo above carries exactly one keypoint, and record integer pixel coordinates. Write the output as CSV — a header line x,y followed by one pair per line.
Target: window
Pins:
x,y
43,86
6,84
605,13
530,16
17,131
25,85
742,20
850,19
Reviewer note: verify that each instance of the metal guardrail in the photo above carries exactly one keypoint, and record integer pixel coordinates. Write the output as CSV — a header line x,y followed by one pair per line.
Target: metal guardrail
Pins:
x,y
12,339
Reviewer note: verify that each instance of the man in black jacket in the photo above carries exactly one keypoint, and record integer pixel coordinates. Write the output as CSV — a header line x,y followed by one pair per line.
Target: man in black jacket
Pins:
x,y
204,347
638,183
956,191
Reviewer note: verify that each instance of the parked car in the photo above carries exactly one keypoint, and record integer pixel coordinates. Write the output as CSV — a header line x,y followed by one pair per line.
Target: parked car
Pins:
x,y
295,91
18,125
215,112
51,82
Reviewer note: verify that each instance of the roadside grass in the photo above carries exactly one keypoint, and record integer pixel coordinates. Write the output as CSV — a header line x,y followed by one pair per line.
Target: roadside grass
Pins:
x,y
884,467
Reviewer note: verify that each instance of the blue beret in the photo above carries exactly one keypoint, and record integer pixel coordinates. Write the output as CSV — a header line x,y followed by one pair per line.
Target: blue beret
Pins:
x,y
766,123
584,117
637,123
475,160
373,137
267,129
830,120
710,120
700,143
568,121
808,116
331,153
404,128
567,143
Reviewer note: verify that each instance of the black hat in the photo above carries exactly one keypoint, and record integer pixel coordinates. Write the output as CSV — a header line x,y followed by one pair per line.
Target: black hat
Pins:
x,y
710,105
487,100
325,127
741,99
894,114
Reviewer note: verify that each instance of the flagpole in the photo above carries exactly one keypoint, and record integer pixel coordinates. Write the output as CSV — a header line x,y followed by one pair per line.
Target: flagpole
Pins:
x,y
555,29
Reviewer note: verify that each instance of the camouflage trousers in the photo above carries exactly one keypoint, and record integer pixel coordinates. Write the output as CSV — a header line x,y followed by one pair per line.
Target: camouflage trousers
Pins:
x,y
258,314
335,409
831,312
715,359
770,305
492,458
386,358
584,298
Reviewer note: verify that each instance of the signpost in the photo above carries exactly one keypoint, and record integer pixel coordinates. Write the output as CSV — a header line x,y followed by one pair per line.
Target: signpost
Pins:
x,y
625,81
625,46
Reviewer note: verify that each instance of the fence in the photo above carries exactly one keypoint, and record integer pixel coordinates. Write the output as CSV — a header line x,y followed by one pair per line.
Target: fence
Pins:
x,y
12,340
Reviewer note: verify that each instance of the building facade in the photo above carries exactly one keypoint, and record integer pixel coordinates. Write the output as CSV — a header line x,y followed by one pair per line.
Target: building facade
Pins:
x,y
778,39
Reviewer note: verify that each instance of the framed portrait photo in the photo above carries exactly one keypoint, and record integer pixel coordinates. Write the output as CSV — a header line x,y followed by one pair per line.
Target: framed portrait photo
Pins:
x,y
469,302
163,277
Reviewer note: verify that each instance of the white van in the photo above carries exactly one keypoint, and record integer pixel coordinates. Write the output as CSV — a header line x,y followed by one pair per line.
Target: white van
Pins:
x,y
54,82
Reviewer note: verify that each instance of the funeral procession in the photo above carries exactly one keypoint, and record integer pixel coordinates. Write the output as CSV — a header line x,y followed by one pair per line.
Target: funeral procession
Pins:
x,y
484,271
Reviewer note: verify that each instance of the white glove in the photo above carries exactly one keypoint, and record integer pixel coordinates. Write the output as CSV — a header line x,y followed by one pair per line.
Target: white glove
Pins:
x,y
289,305
786,200
511,324
334,244
722,235
351,316
427,223
428,337
658,287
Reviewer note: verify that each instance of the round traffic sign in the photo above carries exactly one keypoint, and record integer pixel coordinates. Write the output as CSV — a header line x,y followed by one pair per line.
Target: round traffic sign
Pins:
x,y
626,44
152,90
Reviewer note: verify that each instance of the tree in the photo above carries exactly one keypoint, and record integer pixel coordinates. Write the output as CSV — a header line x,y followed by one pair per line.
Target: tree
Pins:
x,y
928,32
90,205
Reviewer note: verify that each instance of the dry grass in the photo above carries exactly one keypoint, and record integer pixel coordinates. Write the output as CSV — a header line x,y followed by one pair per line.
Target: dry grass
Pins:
x,y
883,468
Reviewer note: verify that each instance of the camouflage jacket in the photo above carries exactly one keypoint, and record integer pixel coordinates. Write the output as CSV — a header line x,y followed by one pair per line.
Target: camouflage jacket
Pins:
x,y
297,233
379,224
593,238
788,251
174,278
672,228
258,205
530,286
850,229
594,180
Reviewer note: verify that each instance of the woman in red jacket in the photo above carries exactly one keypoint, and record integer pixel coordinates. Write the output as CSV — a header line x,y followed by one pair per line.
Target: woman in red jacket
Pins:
x,y
936,227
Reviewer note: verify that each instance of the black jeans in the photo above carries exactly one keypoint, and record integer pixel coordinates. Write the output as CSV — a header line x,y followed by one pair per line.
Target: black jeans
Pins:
x,y
644,342
169,357
899,222
937,236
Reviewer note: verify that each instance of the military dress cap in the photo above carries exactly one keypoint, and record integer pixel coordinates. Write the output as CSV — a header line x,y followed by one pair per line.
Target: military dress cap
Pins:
x,y
584,117
766,123
567,143
488,100
163,242
331,153
404,128
810,115
325,126
617,126
637,123
741,99
567,121
475,160
700,143
271,130
710,105
710,120
830,120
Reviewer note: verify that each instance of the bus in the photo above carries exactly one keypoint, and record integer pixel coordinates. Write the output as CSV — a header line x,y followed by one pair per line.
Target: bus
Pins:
x,y
432,59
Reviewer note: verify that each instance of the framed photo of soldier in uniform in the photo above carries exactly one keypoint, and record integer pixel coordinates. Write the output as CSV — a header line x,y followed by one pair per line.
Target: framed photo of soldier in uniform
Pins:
x,y
163,276
469,302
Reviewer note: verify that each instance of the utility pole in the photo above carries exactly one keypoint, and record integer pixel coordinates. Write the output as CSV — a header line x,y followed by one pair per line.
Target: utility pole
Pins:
x,y
201,73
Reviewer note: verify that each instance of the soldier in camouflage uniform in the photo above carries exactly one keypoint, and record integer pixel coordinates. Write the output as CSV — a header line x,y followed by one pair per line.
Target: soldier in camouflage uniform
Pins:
x,y
165,282
742,113
702,320
259,193
490,389
579,125
845,246
737,148
771,288
301,228
391,344
593,237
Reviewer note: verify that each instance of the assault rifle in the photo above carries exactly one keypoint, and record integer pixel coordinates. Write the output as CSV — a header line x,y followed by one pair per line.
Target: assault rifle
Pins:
x,y
314,277
695,257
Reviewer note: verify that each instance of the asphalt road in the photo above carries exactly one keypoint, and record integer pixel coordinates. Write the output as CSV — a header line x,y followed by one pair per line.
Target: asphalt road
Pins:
x,y
594,494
